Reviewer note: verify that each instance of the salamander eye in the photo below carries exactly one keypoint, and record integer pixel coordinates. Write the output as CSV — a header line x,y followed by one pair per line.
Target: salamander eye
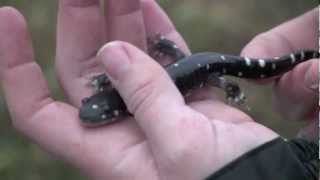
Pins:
x,y
85,100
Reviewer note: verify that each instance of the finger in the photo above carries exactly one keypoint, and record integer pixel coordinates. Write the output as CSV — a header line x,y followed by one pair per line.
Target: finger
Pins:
x,y
125,22
155,102
33,112
16,55
298,91
157,22
79,36
299,33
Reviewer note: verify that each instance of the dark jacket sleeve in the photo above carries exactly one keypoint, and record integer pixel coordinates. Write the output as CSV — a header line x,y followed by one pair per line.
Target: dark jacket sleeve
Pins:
x,y
276,160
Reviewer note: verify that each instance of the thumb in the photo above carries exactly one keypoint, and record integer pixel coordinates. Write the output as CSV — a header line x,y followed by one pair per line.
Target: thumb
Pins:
x,y
139,79
170,126
296,92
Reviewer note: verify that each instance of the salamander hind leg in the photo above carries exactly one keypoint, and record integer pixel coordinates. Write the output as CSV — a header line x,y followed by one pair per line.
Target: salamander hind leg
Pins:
x,y
159,46
234,95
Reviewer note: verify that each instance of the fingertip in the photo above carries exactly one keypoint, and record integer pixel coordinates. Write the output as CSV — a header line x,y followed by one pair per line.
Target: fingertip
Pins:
x,y
108,46
124,65
126,50
11,20
8,10
15,44
115,58
255,48
265,45
125,46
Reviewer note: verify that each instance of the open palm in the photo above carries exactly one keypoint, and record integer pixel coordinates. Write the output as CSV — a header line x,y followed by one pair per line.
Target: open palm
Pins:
x,y
165,140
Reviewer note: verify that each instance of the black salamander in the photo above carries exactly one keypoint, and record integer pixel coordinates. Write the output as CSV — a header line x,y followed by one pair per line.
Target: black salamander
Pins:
x,y
188,73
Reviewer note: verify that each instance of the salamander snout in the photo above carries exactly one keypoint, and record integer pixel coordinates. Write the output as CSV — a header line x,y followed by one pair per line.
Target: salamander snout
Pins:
x,y
94,113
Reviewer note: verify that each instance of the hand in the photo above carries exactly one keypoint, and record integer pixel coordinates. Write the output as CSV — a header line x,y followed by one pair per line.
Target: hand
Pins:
x,y
296,92
168,139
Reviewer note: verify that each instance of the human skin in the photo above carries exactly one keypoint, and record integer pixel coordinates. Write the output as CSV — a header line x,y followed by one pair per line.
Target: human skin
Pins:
x,y
168,138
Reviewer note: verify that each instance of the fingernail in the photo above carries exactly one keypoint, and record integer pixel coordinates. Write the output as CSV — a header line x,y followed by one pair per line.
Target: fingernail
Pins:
x,y
312,79
115,59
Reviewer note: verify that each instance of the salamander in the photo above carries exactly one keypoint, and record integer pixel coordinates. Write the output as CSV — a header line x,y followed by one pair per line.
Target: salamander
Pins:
x,y
188,73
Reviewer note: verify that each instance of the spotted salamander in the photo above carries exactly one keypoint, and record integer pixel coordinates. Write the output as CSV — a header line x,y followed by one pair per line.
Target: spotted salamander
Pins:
x,y
188,73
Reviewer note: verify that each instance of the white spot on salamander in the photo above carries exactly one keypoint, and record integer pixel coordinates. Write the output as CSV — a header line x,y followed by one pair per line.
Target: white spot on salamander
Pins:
x,y
240,74
103,116
242,96
293,58
201,85
199,65
175,46
248,61
176,65
274,66
187,94
208,66
95,106
116,113
94,82
276,58
223,58
230,100
302,55
262,63
224,70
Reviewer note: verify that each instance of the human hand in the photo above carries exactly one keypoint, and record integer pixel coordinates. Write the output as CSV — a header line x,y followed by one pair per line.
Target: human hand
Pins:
x,y
296,92
168,139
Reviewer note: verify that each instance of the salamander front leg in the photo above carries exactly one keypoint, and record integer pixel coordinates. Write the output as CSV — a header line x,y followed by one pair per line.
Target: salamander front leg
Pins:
x,y
234,95
159,46
100,83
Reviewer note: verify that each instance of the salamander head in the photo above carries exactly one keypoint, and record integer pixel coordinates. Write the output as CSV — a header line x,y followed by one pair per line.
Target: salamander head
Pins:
x,y
99,109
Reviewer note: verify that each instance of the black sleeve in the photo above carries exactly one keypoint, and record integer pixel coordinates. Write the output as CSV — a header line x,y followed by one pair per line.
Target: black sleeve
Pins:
x,y
276,160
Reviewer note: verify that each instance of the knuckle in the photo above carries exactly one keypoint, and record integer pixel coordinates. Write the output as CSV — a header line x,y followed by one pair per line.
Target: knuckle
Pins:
x,y
262,40
270,42
260,44
145,92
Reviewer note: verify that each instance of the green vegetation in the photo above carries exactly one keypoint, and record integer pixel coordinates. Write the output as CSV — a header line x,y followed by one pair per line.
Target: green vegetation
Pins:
x,y
222,26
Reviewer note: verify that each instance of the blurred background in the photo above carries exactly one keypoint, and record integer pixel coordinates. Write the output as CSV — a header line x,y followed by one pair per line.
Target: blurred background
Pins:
x,y
216,25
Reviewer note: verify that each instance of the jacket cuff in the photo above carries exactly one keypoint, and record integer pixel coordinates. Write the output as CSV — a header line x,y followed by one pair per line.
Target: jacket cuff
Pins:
x,y
276,160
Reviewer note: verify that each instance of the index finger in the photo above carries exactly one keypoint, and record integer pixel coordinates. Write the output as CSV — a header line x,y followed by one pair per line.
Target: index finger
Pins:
x,y
294,90
299,33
